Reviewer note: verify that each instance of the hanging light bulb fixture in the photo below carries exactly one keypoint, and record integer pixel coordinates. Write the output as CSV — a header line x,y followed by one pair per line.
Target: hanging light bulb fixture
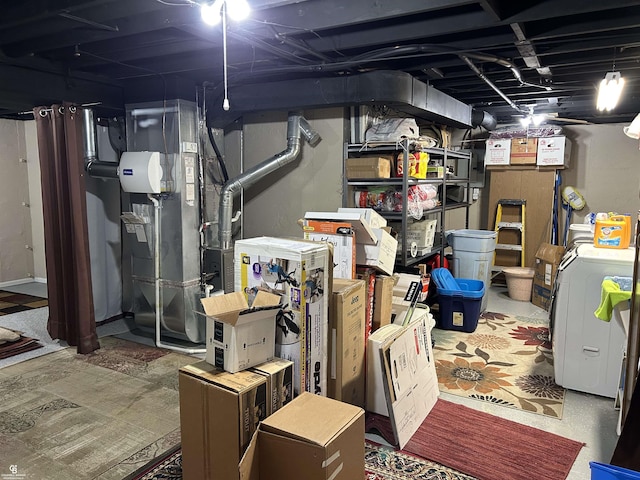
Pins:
x,y
237,10
610,88
213,13
609,91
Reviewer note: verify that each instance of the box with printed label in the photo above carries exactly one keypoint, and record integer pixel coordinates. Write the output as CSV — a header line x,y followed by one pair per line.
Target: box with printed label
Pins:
x,y
298,271
498,151
237,336
219,414
311,438
279,375
553,151
382,255
346,349
548,258
343,238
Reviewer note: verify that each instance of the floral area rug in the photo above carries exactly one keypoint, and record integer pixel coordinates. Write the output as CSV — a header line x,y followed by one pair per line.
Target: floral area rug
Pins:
x,y
507,360
381,463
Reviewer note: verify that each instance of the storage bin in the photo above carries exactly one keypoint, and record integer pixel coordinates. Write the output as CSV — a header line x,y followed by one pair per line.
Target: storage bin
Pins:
x,y
460,300
473,255
603,471
519,282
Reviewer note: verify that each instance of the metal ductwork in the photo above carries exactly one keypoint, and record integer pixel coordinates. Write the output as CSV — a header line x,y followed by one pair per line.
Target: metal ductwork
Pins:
x,y
297,126
398,90
92,165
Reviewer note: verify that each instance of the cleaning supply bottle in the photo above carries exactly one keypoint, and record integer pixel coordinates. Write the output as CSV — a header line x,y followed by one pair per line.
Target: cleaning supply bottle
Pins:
x,y
612,232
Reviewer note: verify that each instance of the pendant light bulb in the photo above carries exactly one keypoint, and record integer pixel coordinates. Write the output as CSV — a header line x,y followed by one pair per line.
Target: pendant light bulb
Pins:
x,y
238,9
609,91
210,12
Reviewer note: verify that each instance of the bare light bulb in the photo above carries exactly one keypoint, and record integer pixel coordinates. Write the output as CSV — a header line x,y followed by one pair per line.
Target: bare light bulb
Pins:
x,y
210,12
238,9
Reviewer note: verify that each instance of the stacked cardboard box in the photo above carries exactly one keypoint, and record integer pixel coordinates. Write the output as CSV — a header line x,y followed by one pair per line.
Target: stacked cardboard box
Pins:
x,y
299,272
346,349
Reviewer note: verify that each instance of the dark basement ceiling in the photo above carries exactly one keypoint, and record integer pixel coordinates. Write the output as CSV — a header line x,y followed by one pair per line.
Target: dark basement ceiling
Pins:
x,y
119,51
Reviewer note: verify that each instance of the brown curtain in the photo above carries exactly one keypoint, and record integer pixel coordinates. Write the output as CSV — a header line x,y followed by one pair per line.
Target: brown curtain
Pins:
x,y
71,314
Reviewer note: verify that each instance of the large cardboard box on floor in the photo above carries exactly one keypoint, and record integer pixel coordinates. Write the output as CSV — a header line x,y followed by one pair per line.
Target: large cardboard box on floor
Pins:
x,y
548,258
239,337
311,438
343,238
298,271
279,375
409,377
347,345
219,414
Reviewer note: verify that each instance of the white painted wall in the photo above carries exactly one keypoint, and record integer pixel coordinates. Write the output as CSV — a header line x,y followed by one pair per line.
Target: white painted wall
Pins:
x,y
312,182
35,200
605,169
16,258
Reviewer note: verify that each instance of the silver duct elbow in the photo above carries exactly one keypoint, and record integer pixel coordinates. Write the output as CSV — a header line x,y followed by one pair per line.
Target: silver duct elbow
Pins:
x,y
296,126
92,165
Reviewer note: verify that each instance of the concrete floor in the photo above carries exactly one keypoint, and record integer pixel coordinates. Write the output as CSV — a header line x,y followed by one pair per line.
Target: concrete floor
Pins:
x,y
586,418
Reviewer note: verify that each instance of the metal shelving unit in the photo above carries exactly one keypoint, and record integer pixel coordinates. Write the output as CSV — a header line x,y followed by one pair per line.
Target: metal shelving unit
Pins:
x,y
445,157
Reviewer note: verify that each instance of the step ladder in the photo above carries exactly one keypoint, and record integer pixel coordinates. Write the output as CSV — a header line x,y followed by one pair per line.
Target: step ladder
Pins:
x,y
517,209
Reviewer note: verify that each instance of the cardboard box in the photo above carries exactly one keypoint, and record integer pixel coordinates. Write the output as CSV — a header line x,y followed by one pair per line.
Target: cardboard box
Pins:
x,y
548,258
313,438
298,271
409,377
369,167
498,151
364,232
382,300
523,151
381,256
435,172
369,276
376,400
373,218
553,151
239,337
279,375
346,349
219,414
422,232
343,238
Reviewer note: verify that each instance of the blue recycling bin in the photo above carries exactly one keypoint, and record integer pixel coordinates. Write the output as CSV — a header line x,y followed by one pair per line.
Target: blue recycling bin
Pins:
x,y
603,471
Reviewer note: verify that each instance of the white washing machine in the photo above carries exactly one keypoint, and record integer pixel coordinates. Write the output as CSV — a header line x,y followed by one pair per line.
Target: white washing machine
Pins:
x,y
587,351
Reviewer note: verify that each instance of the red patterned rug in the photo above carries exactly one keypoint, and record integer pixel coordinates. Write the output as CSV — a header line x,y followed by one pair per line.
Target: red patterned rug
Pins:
x,y
485,446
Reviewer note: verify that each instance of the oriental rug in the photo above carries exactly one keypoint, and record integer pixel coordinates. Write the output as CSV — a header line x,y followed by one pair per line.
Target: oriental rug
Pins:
x,y
381,463
507,361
